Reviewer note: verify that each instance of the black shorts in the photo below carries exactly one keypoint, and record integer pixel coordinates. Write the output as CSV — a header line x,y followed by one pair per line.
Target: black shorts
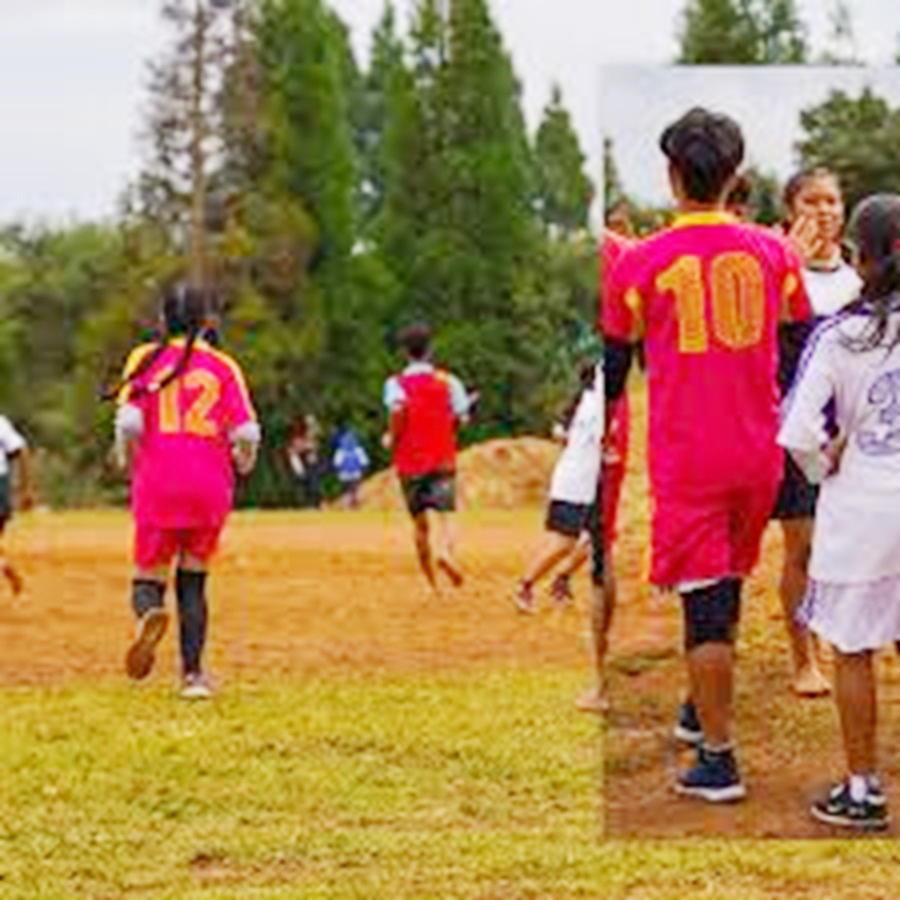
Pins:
x,y
796,496
598,548
434,490
565,518
5,500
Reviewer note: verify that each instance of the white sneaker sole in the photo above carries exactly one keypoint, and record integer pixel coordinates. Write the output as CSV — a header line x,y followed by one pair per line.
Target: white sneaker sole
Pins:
x,y
855,824
196,693
731,794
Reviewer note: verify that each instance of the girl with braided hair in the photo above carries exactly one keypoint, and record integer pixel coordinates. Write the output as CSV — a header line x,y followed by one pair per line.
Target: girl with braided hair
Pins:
x,y
184,422
842,426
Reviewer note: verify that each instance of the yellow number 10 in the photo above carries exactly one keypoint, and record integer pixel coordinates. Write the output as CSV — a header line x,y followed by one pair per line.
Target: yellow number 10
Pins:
x,y
737,300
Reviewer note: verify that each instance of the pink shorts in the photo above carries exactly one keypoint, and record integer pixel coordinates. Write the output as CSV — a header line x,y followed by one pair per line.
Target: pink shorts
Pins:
x,y
695,539
155,546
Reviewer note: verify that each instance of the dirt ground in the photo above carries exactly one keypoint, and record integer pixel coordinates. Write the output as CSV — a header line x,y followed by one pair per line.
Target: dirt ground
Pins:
x,y
789,749
309,594
291,593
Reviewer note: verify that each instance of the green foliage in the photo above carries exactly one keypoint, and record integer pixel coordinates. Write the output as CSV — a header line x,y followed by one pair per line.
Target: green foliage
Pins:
x,y
329,206
760,32
832,137
564,190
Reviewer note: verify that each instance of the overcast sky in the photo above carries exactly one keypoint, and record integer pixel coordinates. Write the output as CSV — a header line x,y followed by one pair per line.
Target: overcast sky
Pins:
x,y
73,76
638,102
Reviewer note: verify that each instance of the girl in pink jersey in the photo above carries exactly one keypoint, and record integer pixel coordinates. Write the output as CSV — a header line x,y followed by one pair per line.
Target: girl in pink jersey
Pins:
x,y
184,423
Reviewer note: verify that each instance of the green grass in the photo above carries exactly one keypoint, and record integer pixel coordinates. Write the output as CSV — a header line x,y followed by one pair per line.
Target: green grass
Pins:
x,y
478,786
339,787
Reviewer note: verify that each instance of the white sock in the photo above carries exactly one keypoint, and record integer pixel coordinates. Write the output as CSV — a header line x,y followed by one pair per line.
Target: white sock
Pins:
x,y
859,788
719,748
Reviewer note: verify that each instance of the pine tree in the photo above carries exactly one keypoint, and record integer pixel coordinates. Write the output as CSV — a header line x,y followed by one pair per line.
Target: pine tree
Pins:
x,y
184,126
564,190
385,68
762,32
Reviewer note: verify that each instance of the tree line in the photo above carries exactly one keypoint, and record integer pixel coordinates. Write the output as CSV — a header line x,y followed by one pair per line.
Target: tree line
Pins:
x,y
330,204
333,202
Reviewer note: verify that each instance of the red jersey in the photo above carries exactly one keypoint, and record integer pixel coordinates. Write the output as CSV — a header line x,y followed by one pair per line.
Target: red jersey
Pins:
x,y
430,401
182,475
612,248
706,296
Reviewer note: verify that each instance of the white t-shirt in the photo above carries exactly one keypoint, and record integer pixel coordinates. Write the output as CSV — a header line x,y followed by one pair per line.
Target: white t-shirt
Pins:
x,y
11,442
577,471
842,392
829,291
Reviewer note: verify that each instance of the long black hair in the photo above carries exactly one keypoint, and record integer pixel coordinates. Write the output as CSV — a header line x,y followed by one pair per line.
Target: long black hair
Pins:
x,y
875,233
185,312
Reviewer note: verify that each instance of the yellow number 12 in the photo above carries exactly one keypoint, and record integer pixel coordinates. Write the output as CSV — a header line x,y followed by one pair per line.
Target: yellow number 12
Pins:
x,y
737,297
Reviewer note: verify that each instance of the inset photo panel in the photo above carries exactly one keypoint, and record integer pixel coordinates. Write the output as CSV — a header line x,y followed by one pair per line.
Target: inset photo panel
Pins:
x,y
751,319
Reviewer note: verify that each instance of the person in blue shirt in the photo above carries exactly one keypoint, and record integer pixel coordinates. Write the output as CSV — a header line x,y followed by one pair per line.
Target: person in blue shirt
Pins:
x,y
350,463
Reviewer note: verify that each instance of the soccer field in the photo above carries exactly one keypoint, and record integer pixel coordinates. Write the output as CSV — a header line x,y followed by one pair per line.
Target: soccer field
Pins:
x,y
370,742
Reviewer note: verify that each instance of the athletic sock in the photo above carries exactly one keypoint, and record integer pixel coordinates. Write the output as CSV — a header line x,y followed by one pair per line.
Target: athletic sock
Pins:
x,y
859,787
191,590
146,594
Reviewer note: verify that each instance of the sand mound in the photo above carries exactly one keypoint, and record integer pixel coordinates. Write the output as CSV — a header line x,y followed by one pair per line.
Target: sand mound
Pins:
x,y
501,474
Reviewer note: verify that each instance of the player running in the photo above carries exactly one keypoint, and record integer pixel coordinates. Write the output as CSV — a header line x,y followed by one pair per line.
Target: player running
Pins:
x,y
13,453
842,425
426,404
184,422
573,486
707,295
814,226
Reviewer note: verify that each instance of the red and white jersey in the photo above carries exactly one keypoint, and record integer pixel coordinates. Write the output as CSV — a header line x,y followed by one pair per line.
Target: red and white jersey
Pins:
x,y
432,401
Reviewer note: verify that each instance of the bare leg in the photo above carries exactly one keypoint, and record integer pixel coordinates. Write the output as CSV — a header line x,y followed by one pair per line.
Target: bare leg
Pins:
x,y
855,695
603,605
447,548
10,573
578,557
711,677
423,547
808,679
553,549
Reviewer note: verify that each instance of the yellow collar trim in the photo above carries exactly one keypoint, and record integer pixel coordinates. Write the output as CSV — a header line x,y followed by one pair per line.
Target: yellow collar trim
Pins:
x,y
710,217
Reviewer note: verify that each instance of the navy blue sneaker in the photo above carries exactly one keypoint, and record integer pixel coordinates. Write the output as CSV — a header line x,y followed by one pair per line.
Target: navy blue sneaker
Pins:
x,y
687,728
839,808
714,778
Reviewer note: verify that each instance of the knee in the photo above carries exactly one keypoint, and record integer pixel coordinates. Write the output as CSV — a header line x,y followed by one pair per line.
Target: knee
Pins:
x,y
711,614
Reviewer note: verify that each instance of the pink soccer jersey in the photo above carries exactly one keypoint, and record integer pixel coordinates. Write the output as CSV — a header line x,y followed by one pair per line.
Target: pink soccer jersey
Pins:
x,y
183,476
707,296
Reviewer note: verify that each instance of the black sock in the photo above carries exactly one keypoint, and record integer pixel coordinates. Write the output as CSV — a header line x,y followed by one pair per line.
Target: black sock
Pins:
x,y
191,590
146,594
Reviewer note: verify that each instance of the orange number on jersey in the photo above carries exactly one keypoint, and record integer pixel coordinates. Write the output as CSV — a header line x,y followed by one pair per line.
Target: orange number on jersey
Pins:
x,y
684,278
196,418
737,300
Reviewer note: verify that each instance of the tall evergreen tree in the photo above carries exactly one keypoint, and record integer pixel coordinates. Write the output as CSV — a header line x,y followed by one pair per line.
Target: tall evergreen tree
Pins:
x,y
564,189
307,115
184,126
762,32
385,68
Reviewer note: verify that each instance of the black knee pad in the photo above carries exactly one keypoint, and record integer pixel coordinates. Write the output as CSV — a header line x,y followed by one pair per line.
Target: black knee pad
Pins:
x,y
711,614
